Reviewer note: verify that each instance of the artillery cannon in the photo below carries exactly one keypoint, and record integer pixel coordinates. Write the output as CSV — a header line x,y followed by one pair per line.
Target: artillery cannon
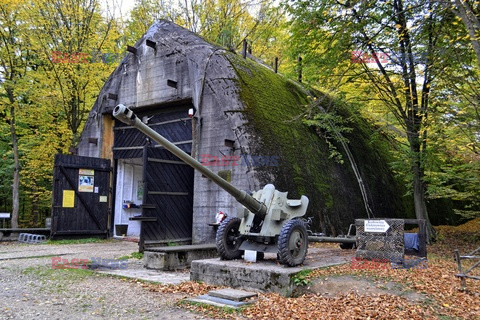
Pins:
x,y
266,222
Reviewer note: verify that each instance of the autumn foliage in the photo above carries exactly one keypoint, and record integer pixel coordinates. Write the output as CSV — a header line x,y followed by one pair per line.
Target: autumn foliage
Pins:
x,y
437,290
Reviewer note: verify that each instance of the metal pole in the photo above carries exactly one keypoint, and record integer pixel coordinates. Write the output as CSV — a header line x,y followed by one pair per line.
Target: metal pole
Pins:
x,y
331,239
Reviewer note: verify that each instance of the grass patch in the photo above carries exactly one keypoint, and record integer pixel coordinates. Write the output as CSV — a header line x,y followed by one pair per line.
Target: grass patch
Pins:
x,y
133,255
137,255
55,274
78,241
301,278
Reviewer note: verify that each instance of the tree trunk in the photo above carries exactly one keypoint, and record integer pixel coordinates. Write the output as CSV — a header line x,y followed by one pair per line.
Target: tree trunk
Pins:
x,y
419,187
16,169
420,203
472,24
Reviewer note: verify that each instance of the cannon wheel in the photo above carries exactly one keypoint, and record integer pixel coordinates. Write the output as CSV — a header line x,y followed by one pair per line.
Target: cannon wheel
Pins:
x,y
293,243
228,239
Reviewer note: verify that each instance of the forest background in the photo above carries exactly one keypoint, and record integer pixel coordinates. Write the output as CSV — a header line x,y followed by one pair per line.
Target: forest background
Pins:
x,y
410,67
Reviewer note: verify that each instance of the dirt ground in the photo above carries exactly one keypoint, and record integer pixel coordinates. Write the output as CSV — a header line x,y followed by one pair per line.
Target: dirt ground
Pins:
x,y
331,287
31,289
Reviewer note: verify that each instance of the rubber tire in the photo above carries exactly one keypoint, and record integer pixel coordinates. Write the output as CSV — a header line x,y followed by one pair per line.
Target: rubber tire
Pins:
x,y
226,249
347,246
291,257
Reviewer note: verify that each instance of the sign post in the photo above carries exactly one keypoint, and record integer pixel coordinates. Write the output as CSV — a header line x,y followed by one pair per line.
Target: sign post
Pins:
x,y
378,226
4,216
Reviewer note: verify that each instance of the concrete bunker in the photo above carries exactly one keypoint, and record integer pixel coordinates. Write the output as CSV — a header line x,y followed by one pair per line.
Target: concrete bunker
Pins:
x,y
242,126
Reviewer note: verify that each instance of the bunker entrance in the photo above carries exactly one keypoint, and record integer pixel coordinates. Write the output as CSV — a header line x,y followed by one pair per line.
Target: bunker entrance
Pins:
x,y
154,189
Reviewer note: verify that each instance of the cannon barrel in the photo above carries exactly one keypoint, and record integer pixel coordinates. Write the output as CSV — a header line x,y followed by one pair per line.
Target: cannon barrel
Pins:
x,y
127,116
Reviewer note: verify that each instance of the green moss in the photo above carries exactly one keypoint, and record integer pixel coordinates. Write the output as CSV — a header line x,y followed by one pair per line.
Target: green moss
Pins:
x,y
272,105
274,109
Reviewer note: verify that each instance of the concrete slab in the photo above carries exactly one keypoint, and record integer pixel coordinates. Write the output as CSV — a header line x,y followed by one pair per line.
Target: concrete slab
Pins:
x,y
267,275
42,254
177,257
218,302
183,248
232,294
136,271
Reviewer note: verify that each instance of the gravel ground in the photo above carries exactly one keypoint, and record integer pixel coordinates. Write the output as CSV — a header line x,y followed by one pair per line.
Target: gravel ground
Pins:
x,y
31,289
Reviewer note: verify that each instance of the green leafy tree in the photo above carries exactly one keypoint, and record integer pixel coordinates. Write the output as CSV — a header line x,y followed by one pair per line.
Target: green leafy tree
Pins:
x,y
393,51
469,13
14,65
77,50
223,22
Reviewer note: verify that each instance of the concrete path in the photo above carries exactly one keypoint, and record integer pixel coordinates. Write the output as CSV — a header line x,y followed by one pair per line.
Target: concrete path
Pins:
x,y
42,254
32,289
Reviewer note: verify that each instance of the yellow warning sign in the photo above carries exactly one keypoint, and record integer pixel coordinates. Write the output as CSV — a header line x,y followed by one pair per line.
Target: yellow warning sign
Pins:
x,y
68,199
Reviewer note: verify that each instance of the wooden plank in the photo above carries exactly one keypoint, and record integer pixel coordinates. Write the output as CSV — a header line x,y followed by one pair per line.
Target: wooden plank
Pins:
x,y
167,161
168,181
70,220
156,124
172,212
108,137
183,248
80,197
143,219
463,283
86,232
474,252
164,193
163,241
85,166
463,275
139,147
473,267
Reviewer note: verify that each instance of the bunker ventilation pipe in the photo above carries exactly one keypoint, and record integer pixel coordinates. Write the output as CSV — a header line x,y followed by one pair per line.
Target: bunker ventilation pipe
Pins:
x,y
127,116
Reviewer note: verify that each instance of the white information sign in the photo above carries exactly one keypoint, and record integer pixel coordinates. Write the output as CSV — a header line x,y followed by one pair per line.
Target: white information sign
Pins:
x,y
376,226
5,215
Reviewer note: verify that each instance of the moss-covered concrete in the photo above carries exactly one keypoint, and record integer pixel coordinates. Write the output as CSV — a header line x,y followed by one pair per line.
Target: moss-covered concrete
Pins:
x,y
274,107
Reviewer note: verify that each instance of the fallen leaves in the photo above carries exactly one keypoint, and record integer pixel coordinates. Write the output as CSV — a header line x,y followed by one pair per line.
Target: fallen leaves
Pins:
x,y
437,283
189,287
345,306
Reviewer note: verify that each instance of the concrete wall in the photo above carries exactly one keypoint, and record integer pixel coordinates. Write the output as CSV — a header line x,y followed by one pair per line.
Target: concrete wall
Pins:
x,y
202,75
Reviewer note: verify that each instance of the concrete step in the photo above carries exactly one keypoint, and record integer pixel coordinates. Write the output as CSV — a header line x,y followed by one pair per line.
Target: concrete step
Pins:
x,y
265,275
177,257
232,294
230,298
183,248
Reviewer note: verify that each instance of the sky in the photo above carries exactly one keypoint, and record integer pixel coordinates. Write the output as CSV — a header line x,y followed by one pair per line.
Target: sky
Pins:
x,y
123,7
